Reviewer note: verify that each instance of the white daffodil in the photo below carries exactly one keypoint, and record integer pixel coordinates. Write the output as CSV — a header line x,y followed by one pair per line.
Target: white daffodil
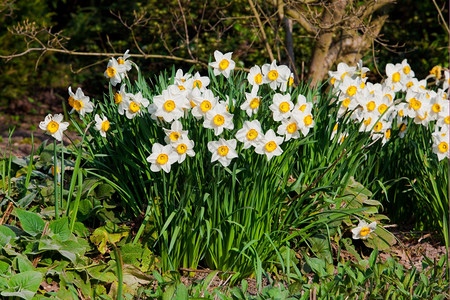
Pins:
x,y
255,78
114,71
287,84
270,145
361,71
54,126
395,77
281,106
440,144
162,158
363,230
125,64
334,130
403,127
250,134
182,147
386,136
175,133
101,124
406,70
223,64
198,81
181,78
122,99
343,70
302,105
134,105
275,75
350,87
418,105
251,103
223,151
367,123
305,122
289,128
218,119
202,102
80,102
170,105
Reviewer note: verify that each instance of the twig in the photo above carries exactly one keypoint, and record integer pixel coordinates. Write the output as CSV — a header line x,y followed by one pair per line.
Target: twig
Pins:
x,y
441,16
106,54
185,29
7,213
263,33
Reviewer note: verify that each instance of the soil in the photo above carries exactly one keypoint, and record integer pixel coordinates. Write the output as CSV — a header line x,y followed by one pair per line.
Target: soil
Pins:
x,y
410,249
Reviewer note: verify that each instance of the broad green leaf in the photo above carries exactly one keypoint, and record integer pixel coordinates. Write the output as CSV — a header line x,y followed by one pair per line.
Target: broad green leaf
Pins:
x,y
60,228
4,266
137,255
101,273
26,200
380,239
169,293
31,222
81,230
182,292
100,237
75,278
3,283
6,234
24,285
23,263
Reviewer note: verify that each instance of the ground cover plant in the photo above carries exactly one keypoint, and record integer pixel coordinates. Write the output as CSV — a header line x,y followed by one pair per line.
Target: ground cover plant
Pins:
x,y
245,174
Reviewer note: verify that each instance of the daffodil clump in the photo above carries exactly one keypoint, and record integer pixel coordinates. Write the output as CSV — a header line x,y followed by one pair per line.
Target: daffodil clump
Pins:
x,y
215,158
208,155
391,106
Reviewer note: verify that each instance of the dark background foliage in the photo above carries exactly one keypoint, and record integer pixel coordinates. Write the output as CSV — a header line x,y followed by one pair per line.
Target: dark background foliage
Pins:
x,y
100,26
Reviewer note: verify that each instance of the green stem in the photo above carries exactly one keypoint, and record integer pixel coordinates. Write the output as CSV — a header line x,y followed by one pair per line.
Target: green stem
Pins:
x,y
55,168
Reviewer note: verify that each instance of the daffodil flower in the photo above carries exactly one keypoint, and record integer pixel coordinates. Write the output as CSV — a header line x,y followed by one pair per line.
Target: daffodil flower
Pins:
x,y
134,104
223,151
223,64
79,102
289,128
270,145
54,126
125,64
275,75
101,124
175,133
281,106
440,144
170,105
114,71
250,134
363,230
182,147
162,158
202,102
255,78
218,119
251,104
198,81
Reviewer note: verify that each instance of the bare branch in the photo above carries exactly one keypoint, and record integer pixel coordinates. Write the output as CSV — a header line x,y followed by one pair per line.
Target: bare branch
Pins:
x,y
302,20
261,27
